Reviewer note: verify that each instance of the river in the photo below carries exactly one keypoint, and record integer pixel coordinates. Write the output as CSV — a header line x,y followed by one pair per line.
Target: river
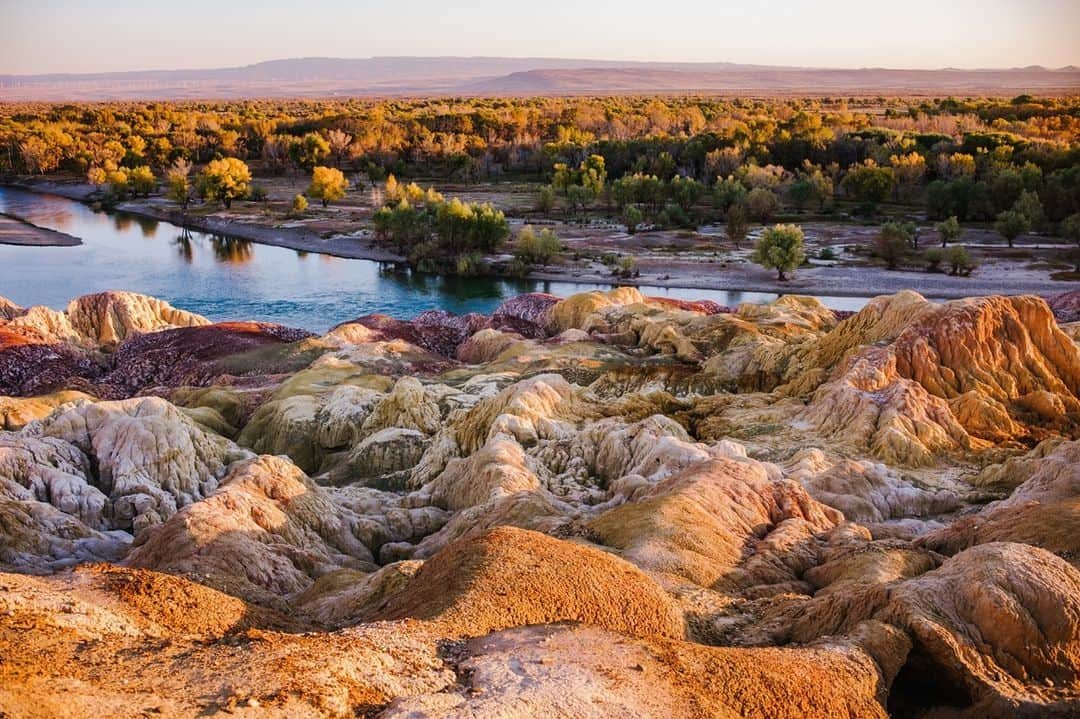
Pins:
x,y
228,279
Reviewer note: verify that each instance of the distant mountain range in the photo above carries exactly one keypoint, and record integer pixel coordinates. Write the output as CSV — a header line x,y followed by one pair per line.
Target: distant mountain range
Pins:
x,y
405,76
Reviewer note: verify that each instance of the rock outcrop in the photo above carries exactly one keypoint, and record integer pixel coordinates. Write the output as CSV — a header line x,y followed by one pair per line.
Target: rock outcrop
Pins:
x,y
594,506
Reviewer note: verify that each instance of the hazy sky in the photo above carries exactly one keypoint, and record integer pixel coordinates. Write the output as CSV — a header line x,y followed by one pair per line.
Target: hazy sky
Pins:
x,y
67,36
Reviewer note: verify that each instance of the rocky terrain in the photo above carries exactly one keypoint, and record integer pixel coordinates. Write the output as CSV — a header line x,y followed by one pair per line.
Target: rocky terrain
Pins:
x,y
599,506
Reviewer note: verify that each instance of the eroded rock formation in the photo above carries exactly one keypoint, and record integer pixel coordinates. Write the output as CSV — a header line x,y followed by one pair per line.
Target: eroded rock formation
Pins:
x,y
597,506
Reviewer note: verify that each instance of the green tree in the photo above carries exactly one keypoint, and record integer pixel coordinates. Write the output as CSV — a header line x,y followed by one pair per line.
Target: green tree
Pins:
x,y
685,191
633,217
327,184
869,185
780,248
762,204
727,193
736,225
799,193
1029,206
893,242
545,200
1011,224
949,230
1070,228
226,180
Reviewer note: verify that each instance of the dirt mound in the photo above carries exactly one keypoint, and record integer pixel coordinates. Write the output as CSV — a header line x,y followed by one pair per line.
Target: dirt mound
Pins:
x,y
512,577
179,605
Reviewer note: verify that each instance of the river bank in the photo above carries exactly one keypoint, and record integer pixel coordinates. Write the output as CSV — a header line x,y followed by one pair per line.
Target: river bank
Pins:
x,y
686,270
17,231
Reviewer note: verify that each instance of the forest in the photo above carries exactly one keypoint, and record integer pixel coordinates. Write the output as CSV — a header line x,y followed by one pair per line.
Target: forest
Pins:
x,y
662,162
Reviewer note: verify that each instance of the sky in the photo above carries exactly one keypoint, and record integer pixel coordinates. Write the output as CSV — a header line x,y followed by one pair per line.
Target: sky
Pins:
x,y
43,36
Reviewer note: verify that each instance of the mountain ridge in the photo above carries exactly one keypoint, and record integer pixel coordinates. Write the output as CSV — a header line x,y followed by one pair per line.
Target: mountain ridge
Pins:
x,y
485,75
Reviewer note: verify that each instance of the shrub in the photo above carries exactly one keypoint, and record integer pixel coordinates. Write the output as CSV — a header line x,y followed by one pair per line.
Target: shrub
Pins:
x,y
537,247
826,253
299,205
627,266
960,261
933,258
258,193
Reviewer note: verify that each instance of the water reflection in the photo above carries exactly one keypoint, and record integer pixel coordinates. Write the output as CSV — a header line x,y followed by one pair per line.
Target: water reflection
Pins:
x,y
184,245
148,226
230,249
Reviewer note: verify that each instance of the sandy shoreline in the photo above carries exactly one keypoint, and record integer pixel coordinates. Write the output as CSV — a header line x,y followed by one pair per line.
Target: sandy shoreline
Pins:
x,y
17,231
821,279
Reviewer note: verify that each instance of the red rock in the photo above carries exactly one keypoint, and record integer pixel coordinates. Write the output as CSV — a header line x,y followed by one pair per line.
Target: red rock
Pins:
x,y
525,314
30,368
1066,307
705,307
436,331
191,356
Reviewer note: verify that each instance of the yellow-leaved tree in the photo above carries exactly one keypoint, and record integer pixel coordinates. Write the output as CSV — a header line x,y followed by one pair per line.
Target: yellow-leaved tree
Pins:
x,y
327,184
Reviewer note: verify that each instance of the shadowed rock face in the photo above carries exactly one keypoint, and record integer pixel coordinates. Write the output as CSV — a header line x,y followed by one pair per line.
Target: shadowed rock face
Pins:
x,y
599,506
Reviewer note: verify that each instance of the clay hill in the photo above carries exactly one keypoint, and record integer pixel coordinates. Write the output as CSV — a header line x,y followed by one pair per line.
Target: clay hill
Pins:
x,y
606,505
486,76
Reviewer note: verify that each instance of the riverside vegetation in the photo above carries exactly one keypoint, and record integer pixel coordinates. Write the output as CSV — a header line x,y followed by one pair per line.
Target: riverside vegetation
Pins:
x,y
1001,168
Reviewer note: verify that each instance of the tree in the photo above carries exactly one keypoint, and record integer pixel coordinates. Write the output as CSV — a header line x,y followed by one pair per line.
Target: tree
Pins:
x,y
327,184
736,226
1070,228
799,193
593,174
545,200
762,204
780,248
869,185
1028,205
338,141
226,179
633,217
95,176
142,180
892,243
685,191
727,193
309,151
949,230
579,196
1011,224
177,187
